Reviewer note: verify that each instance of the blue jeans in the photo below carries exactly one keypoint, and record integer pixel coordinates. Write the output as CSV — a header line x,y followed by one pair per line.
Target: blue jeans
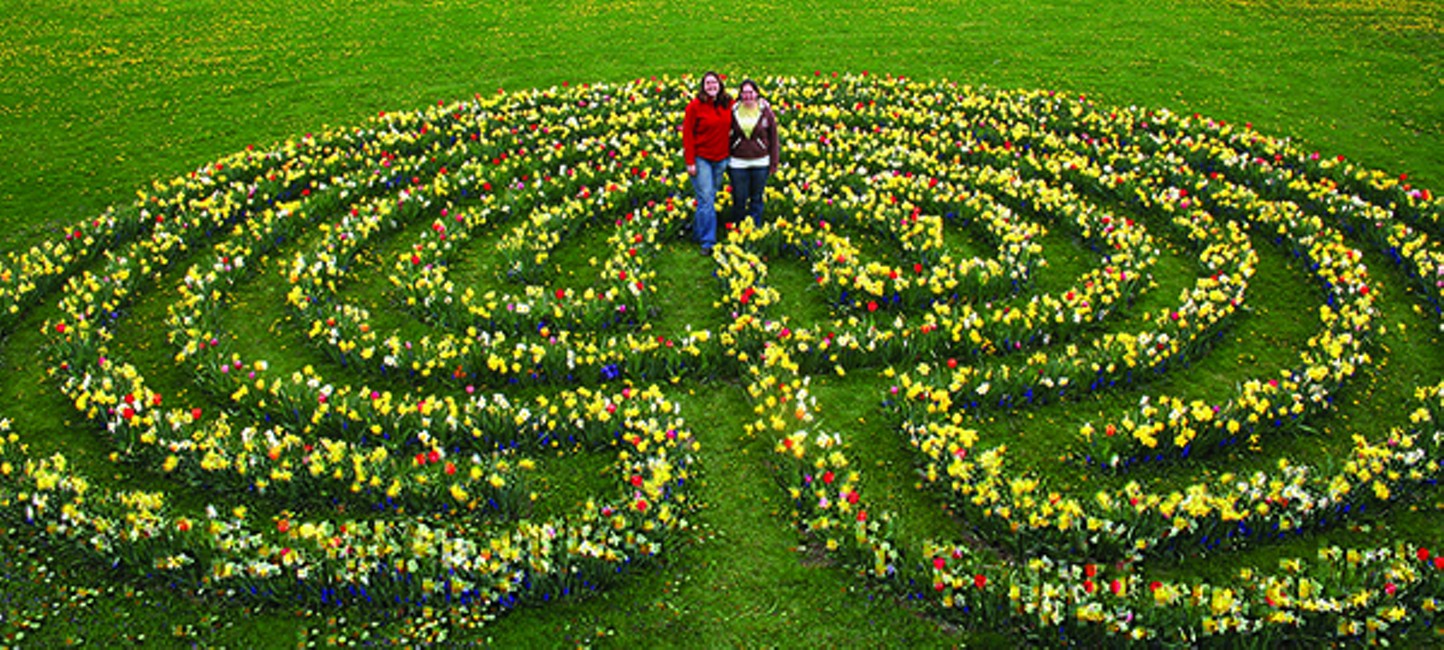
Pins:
x,y
748,186
707,183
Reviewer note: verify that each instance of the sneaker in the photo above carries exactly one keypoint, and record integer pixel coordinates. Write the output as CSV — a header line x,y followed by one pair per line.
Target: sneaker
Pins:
x,y
706,251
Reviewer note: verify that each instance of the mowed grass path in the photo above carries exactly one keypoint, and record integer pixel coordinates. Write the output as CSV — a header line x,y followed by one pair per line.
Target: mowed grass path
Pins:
x,y
100,98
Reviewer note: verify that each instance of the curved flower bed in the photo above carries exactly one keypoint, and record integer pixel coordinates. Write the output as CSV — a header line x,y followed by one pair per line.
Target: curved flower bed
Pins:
x,y
425,494
307,441
1078,562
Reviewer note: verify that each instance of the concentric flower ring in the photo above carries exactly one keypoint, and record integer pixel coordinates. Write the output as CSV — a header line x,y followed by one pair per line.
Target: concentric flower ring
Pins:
x,y
921,210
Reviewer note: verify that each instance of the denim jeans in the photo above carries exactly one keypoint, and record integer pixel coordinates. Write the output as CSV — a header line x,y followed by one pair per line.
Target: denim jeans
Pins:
x,y
707,183
748,185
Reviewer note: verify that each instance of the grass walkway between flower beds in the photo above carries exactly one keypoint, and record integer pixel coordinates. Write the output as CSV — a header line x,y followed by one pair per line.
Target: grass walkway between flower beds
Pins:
x,y
99,99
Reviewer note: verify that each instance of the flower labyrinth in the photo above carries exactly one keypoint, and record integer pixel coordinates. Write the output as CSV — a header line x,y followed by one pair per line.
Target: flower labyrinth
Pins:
x,y
503,378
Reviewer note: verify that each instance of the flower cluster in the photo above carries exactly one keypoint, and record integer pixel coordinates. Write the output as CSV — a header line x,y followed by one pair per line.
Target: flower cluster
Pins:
x,y
1185,179
1368,594
304,440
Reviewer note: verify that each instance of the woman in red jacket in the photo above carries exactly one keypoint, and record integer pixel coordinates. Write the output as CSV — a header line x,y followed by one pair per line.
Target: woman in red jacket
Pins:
x,y
706,132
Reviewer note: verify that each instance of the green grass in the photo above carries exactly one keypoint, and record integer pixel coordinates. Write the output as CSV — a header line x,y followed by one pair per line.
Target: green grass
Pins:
x,y
98,99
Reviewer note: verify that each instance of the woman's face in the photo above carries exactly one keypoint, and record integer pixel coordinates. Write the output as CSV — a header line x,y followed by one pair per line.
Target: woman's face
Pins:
x,y
748,93
711,86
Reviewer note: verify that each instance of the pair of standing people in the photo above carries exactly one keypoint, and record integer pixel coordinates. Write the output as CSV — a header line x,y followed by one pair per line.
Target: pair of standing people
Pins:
x,y
739,138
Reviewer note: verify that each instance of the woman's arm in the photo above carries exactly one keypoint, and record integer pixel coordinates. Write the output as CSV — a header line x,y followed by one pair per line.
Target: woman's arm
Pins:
x,y
775,153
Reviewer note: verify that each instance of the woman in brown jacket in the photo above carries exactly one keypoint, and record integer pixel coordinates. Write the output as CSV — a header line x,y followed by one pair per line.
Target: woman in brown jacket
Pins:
x,y
754,152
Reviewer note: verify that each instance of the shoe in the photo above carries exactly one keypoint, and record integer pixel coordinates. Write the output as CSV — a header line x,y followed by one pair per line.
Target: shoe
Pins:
x,y
706,251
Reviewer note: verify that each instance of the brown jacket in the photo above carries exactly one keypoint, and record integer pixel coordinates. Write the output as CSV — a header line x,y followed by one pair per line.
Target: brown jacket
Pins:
x,y
763,143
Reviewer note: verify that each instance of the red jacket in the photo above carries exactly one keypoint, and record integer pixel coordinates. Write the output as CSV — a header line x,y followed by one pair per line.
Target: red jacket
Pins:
x,y
706,131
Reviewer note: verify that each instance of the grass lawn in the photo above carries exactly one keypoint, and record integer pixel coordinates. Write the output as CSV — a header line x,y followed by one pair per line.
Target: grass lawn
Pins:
x,y
101,99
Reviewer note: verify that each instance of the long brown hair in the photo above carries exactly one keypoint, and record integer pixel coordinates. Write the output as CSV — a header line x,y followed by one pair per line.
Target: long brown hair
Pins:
x,y
723,99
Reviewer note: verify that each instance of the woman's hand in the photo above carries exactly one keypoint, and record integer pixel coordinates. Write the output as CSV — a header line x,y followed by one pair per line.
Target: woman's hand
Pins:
x,y
691,170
